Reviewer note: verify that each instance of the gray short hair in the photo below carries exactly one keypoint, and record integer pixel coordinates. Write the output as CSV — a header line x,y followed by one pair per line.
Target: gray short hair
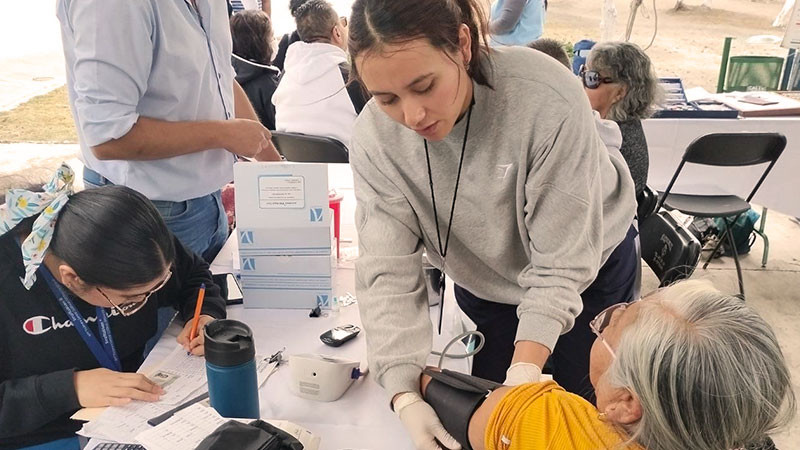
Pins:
x,y
707,369
626,63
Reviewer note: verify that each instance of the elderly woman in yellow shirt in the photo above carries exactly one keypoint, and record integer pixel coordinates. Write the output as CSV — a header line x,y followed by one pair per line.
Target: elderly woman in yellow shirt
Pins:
x,y
687,367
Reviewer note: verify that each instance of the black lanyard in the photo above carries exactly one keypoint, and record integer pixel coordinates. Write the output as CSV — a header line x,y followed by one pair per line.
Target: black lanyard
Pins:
x,y
443,249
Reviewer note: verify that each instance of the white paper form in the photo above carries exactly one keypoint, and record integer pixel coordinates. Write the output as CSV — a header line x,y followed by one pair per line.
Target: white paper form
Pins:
x,y
180,375
183,431
123,423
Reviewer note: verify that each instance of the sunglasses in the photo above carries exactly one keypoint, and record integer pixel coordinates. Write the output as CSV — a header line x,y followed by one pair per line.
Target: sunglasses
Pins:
x,y
592,79
602,320
130,308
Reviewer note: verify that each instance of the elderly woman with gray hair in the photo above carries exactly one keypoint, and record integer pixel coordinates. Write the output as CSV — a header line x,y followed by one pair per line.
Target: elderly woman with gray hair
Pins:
x,y
686,367
622,86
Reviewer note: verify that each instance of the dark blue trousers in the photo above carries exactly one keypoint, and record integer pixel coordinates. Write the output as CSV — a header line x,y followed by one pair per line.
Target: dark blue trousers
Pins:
x,y
570,358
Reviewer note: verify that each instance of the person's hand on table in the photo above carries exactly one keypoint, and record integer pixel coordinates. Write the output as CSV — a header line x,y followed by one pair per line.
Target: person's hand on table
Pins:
x,y
103,387
194,347
422,423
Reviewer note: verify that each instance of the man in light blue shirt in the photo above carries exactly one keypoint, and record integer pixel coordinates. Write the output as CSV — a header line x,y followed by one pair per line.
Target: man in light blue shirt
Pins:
x,y
157,108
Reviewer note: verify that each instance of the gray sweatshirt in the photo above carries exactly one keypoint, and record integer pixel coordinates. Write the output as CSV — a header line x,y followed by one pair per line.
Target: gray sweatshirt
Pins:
x,y
540,207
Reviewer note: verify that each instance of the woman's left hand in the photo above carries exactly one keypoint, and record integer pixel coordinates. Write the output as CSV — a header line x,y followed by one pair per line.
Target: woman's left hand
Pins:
x,y
194,347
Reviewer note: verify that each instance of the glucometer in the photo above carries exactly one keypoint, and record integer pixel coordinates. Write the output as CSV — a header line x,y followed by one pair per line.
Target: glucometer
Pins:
x,y
339,335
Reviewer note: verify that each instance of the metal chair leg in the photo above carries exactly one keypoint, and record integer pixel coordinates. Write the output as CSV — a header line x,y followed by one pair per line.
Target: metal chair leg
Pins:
x,y
760,231
729,226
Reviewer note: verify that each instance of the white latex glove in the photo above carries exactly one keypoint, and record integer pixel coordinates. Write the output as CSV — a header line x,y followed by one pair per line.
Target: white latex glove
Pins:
x,y
422,423
522,373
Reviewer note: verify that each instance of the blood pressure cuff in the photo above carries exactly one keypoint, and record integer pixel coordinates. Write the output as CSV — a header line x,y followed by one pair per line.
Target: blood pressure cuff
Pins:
x,y
257,435
455,397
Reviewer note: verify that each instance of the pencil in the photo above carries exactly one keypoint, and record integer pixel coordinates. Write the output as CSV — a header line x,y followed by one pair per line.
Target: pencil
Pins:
x,y
201,294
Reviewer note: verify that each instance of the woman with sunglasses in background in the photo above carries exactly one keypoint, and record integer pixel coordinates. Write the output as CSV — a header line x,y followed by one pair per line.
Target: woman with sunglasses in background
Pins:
x,y
622,86
81,279
687,367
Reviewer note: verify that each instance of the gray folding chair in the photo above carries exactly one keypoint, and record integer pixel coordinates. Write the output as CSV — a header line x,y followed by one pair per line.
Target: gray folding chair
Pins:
x,y
725,150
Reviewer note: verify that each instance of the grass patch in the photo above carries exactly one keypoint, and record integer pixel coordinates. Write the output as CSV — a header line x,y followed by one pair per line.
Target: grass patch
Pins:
x,y
45,119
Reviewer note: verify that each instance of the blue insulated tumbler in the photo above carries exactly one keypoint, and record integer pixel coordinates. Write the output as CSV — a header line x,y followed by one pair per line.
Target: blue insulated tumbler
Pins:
x,y
231,369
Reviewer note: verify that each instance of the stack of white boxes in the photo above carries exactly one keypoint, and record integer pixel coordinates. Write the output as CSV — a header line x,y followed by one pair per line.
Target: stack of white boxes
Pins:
x,y
284,231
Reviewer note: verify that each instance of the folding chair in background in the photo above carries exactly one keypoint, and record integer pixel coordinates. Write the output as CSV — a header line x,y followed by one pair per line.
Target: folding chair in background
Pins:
x,y
299,147
724,150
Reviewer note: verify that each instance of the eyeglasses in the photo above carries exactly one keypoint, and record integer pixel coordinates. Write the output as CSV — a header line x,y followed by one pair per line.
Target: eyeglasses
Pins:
x,y
131,308
602,320
343,20
592,79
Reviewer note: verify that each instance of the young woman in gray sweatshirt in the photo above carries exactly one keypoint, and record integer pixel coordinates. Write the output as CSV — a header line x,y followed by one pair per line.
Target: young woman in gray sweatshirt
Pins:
x,y
540,207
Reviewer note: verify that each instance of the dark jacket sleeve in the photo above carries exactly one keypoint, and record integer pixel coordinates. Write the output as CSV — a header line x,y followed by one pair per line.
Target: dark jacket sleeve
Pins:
x,y
283,46
189,271
357,95
635,151
27,404
356,92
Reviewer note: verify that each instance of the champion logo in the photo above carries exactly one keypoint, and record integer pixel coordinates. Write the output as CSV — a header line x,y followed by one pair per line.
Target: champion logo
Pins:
x,y
37,325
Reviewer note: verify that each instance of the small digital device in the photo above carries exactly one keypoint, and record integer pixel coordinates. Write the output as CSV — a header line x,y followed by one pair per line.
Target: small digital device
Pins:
x,y
235,296
322,378
339,335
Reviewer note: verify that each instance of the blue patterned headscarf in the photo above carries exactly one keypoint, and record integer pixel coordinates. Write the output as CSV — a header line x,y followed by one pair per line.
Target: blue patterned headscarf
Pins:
x,y
21,204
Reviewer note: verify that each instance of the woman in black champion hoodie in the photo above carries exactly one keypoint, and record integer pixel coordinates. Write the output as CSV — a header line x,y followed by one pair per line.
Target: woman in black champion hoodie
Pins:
x,y
111,255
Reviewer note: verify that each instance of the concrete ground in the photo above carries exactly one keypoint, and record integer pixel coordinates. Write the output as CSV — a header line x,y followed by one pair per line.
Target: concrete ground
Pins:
x,y
773,291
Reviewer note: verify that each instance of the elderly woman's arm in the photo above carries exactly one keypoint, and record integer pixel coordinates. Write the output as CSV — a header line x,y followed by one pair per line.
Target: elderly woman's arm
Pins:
x,y
480,419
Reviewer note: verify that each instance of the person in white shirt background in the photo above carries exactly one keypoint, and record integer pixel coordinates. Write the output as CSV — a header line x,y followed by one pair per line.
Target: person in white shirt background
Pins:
x,y
314,96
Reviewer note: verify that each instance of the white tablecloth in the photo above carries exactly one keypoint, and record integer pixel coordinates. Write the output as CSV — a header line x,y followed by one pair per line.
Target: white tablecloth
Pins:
x,y
667,140
361,419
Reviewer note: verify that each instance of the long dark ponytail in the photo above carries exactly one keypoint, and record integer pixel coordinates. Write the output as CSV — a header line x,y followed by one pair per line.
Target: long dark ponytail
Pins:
x,y
374,23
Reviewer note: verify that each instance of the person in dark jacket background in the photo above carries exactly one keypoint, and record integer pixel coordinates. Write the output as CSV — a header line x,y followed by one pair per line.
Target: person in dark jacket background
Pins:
x,y
287,39
104,256
251,31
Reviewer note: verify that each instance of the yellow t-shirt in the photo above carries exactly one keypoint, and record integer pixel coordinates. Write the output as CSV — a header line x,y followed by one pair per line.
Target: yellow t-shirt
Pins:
x,y
541,416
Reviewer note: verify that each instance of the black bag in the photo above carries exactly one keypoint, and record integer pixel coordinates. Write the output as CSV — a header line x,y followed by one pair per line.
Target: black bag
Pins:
x,y
704,229
742,231
668,248
257,435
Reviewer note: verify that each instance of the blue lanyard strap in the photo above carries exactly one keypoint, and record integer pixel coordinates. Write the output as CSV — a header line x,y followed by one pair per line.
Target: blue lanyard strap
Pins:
x,y
104,350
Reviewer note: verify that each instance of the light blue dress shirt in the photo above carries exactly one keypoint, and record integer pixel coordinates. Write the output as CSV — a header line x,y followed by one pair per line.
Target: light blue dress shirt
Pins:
x,y
155,58
529,26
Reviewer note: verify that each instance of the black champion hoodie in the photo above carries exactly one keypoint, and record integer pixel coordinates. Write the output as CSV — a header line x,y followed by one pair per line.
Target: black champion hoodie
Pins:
x,y
40,349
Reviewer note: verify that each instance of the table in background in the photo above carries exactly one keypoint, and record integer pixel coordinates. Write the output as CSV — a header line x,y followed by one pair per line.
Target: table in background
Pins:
x,y
667,140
